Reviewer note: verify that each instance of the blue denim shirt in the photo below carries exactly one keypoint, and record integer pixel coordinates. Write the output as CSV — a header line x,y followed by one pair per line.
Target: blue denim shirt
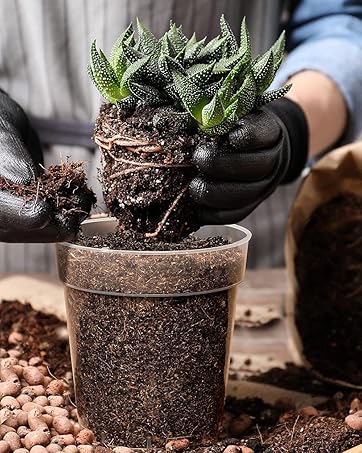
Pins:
x,y
326,35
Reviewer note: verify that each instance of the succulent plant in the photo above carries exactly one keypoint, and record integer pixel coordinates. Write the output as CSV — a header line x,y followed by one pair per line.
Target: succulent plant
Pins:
x,y
215,83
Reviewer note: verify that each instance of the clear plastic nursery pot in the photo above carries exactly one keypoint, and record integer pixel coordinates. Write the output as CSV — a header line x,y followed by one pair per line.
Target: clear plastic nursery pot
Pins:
x,y
150,335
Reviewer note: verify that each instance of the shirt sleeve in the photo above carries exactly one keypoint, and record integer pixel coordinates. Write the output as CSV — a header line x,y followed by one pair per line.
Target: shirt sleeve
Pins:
x,y
326,36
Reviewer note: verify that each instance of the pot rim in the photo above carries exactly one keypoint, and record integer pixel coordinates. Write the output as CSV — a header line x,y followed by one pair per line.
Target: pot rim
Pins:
x,y
232,245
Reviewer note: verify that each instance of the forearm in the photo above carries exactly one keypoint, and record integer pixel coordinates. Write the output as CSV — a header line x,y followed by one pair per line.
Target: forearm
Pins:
x,y
324,106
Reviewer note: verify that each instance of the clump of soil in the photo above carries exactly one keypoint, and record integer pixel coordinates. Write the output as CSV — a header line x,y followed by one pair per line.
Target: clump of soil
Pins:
x,y
146,172
248,422
62,186
312,435
329,300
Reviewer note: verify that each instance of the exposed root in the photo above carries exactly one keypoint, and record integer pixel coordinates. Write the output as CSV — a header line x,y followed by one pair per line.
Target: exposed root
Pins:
x,y
131,144
167,214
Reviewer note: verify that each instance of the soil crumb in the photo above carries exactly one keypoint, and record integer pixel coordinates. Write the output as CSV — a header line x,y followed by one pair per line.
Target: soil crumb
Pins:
x,y
62,186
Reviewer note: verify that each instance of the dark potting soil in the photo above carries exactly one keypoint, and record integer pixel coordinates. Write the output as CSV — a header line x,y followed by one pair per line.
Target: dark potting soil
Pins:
x,y
158,364
126,240
146,171
329,302
60,186
251,422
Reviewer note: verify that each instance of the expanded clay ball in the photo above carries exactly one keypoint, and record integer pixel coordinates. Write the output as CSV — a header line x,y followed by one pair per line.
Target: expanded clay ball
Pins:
x,y
85,449
62,425
56,400
21,450
41,400
32,375
354,421
4,447
36,438
33,390
10,402
53,448
70,449
15,338
35,361
36,421
22,431
13,440
55,387
85,436
38,449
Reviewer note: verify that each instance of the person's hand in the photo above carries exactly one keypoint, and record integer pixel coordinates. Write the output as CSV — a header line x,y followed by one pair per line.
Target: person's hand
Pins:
x,y
268,147
20,151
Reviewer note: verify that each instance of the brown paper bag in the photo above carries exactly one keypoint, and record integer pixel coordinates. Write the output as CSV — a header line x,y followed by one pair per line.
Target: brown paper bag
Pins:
x,y
336,173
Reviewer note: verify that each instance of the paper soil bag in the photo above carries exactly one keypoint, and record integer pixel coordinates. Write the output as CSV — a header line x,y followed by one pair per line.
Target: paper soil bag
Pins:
x,y
336,174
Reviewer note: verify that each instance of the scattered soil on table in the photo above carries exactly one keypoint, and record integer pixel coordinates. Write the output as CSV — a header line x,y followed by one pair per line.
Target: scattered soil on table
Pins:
x,y
294,377
62,186
248,422
329,302
146,171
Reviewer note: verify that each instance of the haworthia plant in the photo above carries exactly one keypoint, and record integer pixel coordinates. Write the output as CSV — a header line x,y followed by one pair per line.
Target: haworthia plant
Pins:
x,y
216,83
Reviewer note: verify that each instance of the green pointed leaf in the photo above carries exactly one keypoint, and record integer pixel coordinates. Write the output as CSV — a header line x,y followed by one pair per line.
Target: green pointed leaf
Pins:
x,y
191,96
117,59
210,90
133,73
245,44
202,76
148,43
230,82
231,112
193,49
174,65
264,71
231,44
131,53
171,91
272,95
245,96
177,38
103,75
278,51
213,112
221,129
147,94
212,51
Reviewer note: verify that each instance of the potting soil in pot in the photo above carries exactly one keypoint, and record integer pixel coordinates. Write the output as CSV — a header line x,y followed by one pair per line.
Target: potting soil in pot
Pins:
x,y
329,302
165,356
36,339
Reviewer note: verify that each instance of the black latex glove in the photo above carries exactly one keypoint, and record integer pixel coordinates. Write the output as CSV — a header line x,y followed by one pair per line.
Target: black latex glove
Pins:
x,y
20,156
268,148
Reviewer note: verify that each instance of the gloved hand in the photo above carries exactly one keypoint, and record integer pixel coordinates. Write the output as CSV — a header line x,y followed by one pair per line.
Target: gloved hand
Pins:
x,y
21,154
268,147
